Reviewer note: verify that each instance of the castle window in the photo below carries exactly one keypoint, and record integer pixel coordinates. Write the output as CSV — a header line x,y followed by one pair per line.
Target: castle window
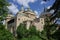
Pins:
x,y
41,22
19,19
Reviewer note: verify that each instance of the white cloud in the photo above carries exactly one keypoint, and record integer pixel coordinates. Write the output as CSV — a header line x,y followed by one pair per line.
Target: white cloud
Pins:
x,y
43,2
52,11
13,8
24,2
36,13
48,7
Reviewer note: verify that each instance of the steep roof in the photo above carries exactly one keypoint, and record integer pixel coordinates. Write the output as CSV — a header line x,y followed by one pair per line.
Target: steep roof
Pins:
x,y
26,11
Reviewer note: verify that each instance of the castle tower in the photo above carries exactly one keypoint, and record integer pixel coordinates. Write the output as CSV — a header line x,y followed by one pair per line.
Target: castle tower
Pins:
x,y
45,9
22,8
28,9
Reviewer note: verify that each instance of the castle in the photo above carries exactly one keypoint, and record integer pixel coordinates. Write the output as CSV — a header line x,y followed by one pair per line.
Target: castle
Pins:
x,y
27,16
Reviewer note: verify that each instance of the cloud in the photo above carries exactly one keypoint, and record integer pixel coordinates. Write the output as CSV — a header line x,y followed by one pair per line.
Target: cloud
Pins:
x,y
48,7
13,8
43,2
25,3
52,11
36,12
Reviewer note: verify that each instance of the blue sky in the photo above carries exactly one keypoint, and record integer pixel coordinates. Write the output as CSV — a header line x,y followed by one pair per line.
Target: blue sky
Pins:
x,y
35,5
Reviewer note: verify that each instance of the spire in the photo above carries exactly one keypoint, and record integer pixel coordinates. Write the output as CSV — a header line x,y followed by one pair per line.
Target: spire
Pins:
x,y
45,9
22,8
28,8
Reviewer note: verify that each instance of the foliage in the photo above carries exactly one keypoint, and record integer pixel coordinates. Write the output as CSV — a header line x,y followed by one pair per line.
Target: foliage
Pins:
x,y
21,30
3,9
50,30
32,30
56,35
24,34
5,34
33,37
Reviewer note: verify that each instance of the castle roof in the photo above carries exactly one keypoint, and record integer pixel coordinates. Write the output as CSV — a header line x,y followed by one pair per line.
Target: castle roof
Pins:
x,y
28,11
9,16
44,14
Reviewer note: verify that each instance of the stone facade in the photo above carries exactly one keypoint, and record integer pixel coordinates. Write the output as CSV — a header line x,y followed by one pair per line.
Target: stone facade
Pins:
x,y
27,16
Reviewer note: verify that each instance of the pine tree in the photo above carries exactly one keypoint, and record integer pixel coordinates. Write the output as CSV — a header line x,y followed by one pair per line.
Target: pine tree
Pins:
x,y
51,29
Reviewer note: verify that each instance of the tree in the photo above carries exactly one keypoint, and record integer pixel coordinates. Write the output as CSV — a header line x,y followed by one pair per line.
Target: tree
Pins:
x,y
56,7
24,34
32,30
34,34
56,35
48,32
49,27
3,9
21,30
5,34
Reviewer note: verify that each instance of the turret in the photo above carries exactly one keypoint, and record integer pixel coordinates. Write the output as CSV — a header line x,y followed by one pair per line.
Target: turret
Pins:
x,y
28,9
22,8
45,9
